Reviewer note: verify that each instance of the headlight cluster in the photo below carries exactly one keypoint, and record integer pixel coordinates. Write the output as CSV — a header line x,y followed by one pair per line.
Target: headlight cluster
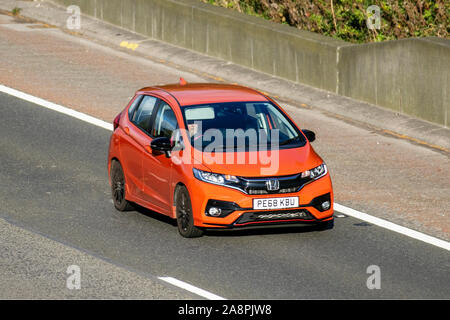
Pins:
x,y
316,172
216,178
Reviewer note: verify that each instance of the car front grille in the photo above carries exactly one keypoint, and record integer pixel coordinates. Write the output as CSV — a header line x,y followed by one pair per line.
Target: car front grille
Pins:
x,y
287,184
254,191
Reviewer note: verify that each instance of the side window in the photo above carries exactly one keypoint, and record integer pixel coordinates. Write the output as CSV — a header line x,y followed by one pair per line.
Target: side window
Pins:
x,y
133,106
165,122
144,112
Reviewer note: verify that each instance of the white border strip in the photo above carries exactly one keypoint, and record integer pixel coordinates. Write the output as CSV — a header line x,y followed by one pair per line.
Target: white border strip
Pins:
x,y
346,210
392,226
191,288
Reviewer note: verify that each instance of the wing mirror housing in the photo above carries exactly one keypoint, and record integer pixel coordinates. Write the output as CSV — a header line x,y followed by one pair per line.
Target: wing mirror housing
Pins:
x,y
162,144
310,135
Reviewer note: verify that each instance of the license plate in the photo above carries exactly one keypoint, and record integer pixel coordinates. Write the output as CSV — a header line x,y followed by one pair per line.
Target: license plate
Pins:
x,y
275,203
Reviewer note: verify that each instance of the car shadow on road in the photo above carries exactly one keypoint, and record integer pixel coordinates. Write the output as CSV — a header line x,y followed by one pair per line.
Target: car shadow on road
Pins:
x,y
252,231
272,230
154,215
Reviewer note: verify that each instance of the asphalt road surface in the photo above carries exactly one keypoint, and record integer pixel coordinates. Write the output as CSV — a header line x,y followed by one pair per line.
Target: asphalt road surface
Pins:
x,y
372,172
53,181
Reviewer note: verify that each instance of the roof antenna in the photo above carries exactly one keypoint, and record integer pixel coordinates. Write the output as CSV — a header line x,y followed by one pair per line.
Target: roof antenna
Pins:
x,y
182,82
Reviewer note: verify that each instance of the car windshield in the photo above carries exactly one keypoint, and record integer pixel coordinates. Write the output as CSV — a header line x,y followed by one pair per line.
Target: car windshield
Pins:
x,y
240,126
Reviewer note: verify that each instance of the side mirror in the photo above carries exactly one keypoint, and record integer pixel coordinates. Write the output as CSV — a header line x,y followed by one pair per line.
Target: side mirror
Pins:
x,y
162,144
310,135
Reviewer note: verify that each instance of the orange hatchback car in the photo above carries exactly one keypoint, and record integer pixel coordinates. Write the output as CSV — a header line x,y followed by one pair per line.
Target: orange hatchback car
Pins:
x,y
216,156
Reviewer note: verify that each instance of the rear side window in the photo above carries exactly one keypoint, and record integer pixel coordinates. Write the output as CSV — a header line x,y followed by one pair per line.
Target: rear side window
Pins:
x,y
144,112
133,106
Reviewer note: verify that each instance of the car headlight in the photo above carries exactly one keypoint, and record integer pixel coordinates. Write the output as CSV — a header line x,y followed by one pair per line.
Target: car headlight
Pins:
x,y
315,173
215,178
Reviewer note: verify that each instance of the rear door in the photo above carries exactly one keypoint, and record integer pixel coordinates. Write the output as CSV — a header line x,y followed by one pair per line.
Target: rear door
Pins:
x,y
134,140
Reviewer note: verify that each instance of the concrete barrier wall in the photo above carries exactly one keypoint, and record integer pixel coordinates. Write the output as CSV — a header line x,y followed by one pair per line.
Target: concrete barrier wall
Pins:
x,y
410,76
249,41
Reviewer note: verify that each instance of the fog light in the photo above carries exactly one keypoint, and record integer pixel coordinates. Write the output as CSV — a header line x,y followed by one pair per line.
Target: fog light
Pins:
x,y
326,205
214,212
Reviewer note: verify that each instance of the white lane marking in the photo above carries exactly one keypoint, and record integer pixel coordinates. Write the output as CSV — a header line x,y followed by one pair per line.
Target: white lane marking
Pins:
x,y
56,107
343,209
392,226
191,288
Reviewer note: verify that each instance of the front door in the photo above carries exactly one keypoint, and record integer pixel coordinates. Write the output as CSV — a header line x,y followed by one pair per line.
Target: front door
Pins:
x,y
157,168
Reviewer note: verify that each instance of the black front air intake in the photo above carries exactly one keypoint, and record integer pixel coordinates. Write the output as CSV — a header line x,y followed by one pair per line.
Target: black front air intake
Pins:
x,y
274,216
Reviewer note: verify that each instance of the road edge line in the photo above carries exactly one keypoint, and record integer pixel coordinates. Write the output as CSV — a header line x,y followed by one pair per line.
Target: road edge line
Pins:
x,y
392,226
56,107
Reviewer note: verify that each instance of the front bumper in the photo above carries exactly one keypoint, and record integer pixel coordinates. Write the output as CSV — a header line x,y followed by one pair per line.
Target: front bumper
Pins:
x,y
241,206
248,220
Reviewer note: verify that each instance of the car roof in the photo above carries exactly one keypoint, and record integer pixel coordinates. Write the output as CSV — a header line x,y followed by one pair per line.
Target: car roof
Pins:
x,y
203,93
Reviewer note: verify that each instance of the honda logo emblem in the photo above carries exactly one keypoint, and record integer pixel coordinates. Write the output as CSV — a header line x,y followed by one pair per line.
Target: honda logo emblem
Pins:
x,y
272,185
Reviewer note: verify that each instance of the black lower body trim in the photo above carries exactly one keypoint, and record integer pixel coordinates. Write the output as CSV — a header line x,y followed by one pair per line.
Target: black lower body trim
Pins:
x,y
270,223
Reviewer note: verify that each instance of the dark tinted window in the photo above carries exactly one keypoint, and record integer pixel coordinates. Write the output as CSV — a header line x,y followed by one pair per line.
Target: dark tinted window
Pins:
x,y
165,122
133,106
144,112
241,124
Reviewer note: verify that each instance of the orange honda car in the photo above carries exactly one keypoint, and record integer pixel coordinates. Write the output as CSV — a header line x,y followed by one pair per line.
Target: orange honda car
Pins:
x,y
216,156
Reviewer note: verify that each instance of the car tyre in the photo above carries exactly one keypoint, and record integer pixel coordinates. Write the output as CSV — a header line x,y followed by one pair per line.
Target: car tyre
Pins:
x,y
118,189
185,217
